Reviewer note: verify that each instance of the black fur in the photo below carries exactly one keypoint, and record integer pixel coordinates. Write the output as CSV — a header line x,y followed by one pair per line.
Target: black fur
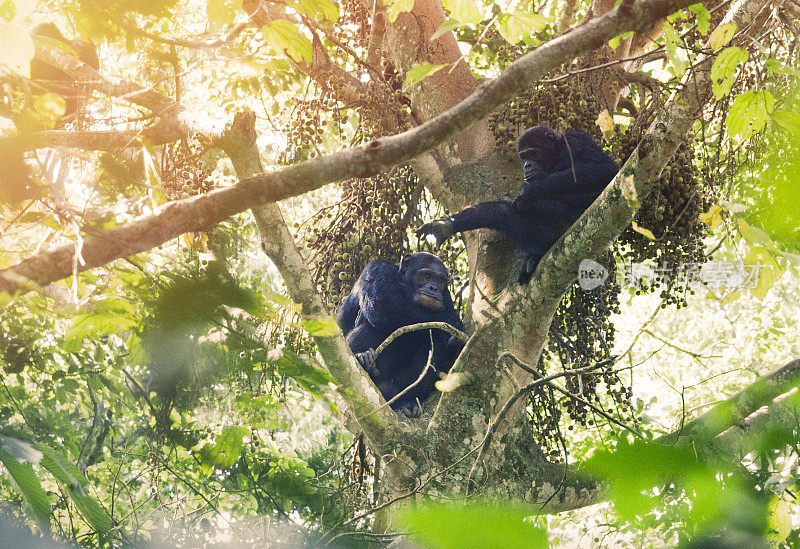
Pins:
x,y
387,297
563,176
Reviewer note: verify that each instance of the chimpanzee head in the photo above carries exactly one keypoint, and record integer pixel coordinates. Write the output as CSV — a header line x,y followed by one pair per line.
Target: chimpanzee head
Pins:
x,y
539,148
425,279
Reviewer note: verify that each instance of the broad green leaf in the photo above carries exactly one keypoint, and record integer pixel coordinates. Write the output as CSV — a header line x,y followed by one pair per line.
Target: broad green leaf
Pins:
x,y
632,469
775,66
702,15
16,49
447,26
751,234
487,525
61,468
749,113
30,487
318,9
515,26
306,374
464,11
324,327
721,36
396,7
108,316
617,40
787,120
420,71
724,69
225,450
672,43
284,37
768,271
780,522
93,512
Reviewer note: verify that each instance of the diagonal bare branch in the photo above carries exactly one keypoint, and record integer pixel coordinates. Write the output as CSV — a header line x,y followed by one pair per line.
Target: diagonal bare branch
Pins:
x,y
201,212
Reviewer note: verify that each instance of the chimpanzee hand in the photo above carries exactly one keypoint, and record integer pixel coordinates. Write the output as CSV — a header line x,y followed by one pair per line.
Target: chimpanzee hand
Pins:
x,y
367,361
411,408
528,267
441,229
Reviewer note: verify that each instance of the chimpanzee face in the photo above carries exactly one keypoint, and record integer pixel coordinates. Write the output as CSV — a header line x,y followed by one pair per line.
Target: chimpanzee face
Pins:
x,y
539,145
426,278
429,287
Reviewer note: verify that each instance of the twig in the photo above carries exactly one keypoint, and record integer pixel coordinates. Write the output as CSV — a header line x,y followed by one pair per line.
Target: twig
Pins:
x,y
444,326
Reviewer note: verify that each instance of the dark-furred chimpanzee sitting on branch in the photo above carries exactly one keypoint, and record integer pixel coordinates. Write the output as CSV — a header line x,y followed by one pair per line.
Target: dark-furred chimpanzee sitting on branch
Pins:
x,y
387,297
563,176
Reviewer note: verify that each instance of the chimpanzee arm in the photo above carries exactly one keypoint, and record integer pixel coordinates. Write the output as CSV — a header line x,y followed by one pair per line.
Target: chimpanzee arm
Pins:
x,y
496,214
363,340
348,312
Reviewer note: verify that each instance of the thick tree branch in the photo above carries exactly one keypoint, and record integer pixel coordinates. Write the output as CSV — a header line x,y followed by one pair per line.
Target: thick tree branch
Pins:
x,y
200,212
365,412
155,102
743,404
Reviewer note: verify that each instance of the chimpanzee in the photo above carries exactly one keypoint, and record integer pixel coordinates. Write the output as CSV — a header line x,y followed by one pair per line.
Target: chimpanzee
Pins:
x,y
563,176
387,297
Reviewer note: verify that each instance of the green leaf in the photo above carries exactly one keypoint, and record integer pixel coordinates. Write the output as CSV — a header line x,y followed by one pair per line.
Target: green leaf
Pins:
x,y
420,71
787,120
751,234
672,43
317,9
55,468
515,26
775,66
721,36
780,522
464,11
323,327
724,69
309,377
225,450
29,485
703,17
396,7
617,40
16,49
447,26
632,469
486,525
284,37
108,316
93,512
749,113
